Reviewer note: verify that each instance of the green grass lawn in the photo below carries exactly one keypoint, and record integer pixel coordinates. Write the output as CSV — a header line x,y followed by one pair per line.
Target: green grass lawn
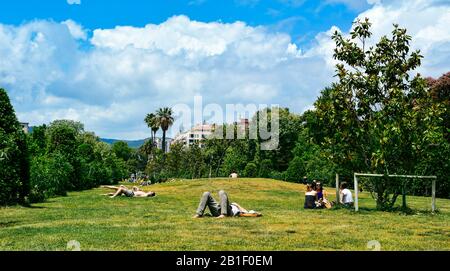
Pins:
x,y
165,223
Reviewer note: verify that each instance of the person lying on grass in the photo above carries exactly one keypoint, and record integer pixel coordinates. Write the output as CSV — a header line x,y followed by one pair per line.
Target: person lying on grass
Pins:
x,y
222,209
123,190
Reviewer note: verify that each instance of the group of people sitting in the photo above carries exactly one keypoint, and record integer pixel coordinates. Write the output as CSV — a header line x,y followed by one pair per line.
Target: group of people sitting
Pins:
x,y
141,179
316,196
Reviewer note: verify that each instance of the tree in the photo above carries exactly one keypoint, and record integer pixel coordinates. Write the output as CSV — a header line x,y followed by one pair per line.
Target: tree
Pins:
x,y
122,150
440,93
153,124
289,126
14,157
368,121
164,119
309,160
235,158
250,171
265,168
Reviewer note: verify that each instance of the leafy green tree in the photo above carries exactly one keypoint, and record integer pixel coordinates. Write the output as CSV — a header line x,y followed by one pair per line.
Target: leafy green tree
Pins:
x,y
122,150
289,126
66,158
194,158
14,157
251,171
62,137
367,118
235,158
265,168
37,141
49,176
310,160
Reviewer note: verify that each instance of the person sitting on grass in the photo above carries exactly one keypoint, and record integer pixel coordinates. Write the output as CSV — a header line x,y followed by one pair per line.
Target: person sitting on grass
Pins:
x,y
346,197
310,197
223,208
234,175
321,197
130,193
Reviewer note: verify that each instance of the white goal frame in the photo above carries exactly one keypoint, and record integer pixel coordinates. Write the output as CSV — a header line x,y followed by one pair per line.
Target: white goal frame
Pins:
x,y
433,185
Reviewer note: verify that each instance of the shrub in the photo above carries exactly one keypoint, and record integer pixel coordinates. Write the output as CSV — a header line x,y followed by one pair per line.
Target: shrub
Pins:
x,y
49,177
296,170
250,170
278,175
265,168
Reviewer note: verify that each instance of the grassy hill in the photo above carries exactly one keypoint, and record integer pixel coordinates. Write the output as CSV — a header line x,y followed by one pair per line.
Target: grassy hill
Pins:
x,y
165,223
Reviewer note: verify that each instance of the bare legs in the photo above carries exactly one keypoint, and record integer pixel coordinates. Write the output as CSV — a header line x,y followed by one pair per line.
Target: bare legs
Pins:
x,y
113,187
119,190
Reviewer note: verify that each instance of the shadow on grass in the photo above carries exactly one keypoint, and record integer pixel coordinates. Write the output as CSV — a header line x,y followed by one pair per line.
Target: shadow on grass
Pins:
x,y
399,210
9,223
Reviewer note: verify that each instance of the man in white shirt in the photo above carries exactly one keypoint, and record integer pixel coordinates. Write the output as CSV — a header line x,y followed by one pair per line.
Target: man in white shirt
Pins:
x,y
234,175
346,196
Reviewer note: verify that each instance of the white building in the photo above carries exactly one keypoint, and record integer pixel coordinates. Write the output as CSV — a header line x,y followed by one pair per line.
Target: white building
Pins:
x,y
196,135
25,127
202,131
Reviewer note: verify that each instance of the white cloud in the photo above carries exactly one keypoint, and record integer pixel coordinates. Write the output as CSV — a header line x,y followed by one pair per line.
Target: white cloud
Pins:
x,y
130,71
74,2
76,30
428,24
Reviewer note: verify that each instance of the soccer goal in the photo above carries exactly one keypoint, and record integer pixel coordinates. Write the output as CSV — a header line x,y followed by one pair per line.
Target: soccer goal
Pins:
x,y
432,178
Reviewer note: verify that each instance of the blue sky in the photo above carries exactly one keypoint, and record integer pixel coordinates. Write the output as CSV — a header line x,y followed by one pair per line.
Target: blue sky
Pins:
x,y
299,18
107,63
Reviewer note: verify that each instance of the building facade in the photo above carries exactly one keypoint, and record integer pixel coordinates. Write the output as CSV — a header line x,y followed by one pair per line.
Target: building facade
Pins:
x,y
195,135
25,127
200,132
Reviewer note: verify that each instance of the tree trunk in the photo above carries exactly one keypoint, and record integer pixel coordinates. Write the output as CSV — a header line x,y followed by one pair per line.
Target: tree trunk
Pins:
x,y
152,138
163,147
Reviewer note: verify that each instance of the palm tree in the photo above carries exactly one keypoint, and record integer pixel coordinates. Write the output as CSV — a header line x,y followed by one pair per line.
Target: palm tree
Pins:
x,y
165,120
153,124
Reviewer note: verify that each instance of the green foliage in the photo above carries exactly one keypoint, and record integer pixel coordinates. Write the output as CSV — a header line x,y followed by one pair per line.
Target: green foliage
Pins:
x,y
160,223
265,168
14,157
234,160
377,119
296,170
122,150
251,170
67,158
50,176
310,160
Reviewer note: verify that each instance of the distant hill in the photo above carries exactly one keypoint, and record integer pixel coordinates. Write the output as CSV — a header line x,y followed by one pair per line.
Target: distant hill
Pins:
x,y
131,143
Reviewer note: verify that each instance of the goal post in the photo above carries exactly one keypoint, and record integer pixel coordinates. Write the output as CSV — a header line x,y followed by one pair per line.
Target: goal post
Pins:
x,y
432,178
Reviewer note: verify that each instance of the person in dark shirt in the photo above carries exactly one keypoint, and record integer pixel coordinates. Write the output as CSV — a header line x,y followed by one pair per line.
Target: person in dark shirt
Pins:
x,y
310,197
